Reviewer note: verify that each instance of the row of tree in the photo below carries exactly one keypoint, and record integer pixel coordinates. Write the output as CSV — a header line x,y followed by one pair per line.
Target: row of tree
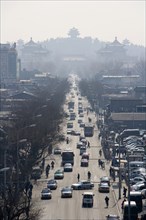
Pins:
x,y
28,137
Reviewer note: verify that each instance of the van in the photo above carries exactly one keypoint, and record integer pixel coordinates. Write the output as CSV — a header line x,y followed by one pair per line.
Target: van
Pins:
x,y
88,199
133,211
137,197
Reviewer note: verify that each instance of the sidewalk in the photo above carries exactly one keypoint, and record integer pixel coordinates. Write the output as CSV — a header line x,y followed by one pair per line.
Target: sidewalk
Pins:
x,y
116,194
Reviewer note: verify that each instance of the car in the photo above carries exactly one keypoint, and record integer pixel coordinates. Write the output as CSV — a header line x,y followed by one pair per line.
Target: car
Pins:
x,y
68,167
84,162
82,125
105,179
143,193
59,174
82,149
85,155
80,121
138,186
69,131
79,144
46,193
112,217
103,187
84,141
52,184
69,125
136,180
83,184
88,199
57,150
81,115
66,192
76,133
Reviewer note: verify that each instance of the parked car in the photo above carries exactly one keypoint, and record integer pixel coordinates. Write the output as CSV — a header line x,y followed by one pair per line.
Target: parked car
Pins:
x,y
59,174
88,199
52,184
84,162
84,184
104,187
136,180
68,167
46,193
143,193
66,192
138,186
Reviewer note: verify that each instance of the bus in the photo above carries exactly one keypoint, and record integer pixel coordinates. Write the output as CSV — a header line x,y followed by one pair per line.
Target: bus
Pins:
x,y
67,157
88,130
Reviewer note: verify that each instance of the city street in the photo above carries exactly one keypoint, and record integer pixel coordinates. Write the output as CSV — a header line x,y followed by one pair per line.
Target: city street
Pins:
x,y
71,208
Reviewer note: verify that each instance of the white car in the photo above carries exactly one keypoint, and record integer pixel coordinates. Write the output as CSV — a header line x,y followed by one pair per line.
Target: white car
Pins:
x,y
66,192
88,199
68,167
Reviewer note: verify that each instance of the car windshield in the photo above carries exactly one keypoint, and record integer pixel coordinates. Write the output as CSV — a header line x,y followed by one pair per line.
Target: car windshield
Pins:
x,y
88,196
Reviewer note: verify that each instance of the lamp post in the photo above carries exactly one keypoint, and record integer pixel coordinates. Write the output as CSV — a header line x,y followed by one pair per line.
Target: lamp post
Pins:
x,y
120,183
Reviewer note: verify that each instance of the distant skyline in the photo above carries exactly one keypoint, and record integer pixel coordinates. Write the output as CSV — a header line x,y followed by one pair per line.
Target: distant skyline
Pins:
x,y
43,20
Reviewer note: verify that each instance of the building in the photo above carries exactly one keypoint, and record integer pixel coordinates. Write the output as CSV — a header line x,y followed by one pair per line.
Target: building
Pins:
x,y
8,63
34,56
112,52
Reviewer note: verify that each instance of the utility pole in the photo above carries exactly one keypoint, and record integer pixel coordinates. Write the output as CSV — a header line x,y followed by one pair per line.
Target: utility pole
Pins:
x,y
120,183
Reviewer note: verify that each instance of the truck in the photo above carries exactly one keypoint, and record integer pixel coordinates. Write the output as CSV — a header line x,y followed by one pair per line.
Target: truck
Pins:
x,y
67,157
88,130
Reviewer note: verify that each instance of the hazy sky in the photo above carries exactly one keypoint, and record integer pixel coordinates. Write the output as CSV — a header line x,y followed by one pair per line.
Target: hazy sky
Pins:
x,y
43,20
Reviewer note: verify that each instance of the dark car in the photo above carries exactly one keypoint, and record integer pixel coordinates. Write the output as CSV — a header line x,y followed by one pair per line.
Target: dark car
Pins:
x,y
52,184
84,184
46,194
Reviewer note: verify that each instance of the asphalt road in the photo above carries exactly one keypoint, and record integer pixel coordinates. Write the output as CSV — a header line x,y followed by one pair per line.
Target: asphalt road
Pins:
x,y
71,208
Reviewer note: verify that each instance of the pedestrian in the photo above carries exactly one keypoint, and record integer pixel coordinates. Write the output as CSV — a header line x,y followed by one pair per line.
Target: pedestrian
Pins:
x,y
122,205
124,191
47,170
78,177
100,152
89,175
107,201
67,140
99,162
88,144
52,164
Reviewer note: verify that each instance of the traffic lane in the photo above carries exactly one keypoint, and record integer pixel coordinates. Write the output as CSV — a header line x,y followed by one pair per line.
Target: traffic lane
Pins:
x,y
66,208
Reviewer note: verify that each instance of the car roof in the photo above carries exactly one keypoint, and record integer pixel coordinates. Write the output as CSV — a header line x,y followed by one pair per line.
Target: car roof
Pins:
x,y
88,193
